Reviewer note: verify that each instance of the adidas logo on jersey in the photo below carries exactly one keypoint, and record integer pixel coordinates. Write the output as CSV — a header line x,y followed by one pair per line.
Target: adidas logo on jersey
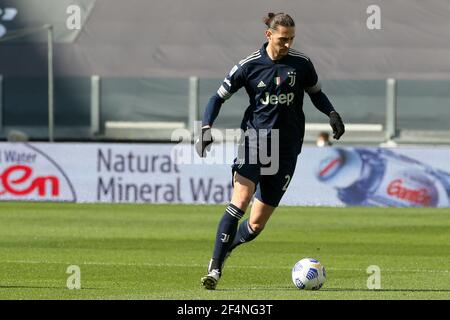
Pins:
x,y
261,84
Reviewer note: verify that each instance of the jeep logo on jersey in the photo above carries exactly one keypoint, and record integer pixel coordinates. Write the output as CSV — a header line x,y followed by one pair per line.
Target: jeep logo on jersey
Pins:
x,y
281,99
26,173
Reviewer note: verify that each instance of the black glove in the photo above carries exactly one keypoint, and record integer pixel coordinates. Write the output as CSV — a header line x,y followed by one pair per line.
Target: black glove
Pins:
x,y
204,142
337,125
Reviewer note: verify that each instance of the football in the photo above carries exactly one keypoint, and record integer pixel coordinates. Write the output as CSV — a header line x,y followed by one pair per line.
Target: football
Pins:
x,y
308,274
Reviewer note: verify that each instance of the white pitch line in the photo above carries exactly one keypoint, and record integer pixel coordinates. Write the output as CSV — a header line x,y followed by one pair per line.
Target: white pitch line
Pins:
x,y
162,265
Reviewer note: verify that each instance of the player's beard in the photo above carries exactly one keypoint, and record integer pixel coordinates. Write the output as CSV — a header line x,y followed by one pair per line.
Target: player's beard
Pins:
x,y
283,51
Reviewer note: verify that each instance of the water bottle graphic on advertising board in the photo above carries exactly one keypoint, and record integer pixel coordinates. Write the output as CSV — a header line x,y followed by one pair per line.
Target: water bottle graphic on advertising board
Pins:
x,y
380,177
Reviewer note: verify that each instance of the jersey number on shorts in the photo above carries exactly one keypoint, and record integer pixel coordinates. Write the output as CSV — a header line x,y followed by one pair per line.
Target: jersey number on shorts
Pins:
x,y
288,179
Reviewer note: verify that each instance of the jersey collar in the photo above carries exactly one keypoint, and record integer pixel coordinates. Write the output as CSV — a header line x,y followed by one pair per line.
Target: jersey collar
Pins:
x,y
267,57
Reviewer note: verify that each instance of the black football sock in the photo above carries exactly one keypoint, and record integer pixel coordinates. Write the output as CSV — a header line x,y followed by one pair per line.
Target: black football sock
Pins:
x,y
225,234
244,234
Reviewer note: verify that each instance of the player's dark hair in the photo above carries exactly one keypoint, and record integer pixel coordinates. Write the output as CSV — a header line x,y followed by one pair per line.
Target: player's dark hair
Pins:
x,y
272,20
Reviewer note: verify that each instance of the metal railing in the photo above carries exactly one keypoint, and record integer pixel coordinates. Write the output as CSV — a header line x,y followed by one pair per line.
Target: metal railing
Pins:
x,y
384,129
379,133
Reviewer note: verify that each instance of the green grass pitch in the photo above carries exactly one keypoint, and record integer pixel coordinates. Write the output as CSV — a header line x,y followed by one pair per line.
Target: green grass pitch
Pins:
x,y
161,251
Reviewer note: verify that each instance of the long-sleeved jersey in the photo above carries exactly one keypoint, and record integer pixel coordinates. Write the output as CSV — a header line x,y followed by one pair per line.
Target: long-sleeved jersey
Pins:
x,y
276,90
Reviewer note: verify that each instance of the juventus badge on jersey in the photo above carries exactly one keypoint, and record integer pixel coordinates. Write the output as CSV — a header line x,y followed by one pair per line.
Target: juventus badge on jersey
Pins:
x,y
291,75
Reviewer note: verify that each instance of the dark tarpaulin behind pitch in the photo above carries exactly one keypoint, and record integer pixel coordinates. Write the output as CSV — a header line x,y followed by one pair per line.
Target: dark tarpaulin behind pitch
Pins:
x,y
178,38
145,50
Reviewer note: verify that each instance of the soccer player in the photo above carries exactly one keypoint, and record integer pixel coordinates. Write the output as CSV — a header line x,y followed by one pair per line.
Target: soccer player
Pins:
x,y
275,78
